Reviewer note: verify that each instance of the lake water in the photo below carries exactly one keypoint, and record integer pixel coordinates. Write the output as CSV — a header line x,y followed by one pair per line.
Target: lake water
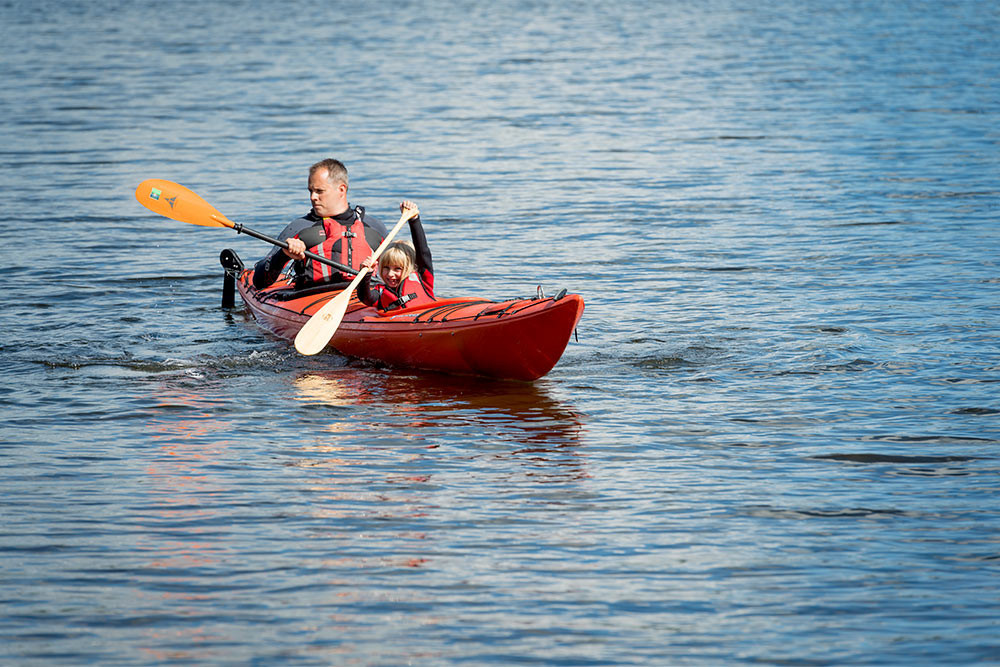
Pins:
x,y
775,440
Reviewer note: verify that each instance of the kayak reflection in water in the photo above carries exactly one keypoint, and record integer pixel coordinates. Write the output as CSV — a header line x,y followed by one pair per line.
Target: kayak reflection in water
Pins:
x,y
496,415
332,228
405,269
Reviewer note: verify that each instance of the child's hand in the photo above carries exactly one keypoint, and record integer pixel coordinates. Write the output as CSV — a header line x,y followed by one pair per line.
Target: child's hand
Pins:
x,y
408,205
369,263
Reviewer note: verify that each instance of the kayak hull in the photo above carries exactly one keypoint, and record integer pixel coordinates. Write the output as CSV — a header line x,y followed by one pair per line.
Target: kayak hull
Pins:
x,y
518,339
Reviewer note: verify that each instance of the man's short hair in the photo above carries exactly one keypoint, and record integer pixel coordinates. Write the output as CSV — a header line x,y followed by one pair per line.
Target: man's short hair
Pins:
x,y
336,171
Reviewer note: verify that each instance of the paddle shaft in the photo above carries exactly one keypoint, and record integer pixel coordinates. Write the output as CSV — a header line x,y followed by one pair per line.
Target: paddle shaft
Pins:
x,y
240,229
177,202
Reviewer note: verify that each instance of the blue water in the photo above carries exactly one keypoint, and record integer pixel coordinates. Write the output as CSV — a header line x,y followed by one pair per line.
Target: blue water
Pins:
x,y
774,442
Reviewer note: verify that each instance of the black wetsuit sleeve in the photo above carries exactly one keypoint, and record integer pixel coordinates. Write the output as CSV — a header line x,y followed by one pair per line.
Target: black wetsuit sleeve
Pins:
x,y
366,294
267,270
423,252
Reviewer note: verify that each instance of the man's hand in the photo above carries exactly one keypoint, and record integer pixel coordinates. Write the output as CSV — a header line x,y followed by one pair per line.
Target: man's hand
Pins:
x,y
296,249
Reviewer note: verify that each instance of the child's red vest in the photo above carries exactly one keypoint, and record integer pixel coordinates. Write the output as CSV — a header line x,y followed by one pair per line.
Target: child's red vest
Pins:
x,y
412,290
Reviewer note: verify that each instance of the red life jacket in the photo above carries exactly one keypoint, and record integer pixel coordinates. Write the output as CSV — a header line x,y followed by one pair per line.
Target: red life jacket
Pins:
x,y
354,249
413,291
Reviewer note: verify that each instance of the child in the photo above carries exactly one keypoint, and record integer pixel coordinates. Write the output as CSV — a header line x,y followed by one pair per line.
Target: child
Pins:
x,y
406,271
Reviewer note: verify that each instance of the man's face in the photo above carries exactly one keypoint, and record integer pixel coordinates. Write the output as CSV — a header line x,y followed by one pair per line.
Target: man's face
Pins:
x,y
328,199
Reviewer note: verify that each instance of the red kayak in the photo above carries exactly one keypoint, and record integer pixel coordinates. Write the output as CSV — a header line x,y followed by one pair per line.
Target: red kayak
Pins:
x,y
520,339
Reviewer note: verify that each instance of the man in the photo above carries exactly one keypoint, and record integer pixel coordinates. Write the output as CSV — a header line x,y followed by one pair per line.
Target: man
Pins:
x,y
332,228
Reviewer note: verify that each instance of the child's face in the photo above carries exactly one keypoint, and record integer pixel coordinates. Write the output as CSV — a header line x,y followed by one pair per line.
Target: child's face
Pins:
x,y
391,275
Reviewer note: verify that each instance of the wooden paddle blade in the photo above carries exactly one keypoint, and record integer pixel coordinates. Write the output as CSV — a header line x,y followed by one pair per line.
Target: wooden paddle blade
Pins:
x,y
175,201
319,329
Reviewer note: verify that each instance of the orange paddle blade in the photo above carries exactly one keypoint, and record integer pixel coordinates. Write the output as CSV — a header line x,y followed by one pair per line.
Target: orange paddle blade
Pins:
x,y
175,201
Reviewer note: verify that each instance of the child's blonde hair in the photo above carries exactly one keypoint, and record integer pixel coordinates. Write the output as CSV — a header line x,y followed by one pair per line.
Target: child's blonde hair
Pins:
x,y
401,254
